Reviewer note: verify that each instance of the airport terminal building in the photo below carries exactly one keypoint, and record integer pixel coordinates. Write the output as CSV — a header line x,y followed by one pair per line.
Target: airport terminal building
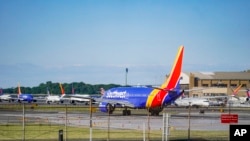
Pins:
x,y
217,83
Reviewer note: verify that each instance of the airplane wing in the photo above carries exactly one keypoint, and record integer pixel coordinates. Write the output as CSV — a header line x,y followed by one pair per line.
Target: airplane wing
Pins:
x,y
123,103
82,96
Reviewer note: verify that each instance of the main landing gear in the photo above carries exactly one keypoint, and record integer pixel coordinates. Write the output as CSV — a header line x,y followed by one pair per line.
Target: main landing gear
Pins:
x,y
126,112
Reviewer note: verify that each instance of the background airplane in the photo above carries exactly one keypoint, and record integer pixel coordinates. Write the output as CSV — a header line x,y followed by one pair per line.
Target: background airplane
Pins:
x,y
5,97
191,101
54,98
241,99
24,97
232,99
75,98
151,98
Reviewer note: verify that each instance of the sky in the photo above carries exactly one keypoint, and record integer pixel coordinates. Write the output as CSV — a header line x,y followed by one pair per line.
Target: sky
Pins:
x,y
94,41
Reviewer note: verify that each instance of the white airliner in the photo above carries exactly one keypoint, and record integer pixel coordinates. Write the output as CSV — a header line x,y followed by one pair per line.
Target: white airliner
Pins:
x,y
84,99
234,99
194,102
54,98
5,97
78,98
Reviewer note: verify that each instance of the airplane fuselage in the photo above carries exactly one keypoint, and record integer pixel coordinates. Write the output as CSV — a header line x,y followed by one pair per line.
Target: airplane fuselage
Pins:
x,y
135,97
197,102
26,97
5,97
53,99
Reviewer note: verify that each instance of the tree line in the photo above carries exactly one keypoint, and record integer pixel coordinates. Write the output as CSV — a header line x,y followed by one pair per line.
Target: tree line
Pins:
x,y
69,88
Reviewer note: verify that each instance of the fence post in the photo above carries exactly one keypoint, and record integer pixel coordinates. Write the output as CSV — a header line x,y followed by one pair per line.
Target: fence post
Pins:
x,y
66,121
23,121
165,129
60,133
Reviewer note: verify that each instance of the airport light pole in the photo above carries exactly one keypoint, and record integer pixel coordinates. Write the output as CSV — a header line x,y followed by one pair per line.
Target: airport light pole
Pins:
x,y
126,75
90,120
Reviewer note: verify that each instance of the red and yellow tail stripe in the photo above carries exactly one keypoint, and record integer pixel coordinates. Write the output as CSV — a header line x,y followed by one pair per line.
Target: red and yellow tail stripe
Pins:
x,y
236,90
62,90
19,89
156,97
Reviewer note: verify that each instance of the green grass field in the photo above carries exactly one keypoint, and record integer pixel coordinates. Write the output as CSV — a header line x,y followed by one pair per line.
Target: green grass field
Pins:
x,y
42,131
51,133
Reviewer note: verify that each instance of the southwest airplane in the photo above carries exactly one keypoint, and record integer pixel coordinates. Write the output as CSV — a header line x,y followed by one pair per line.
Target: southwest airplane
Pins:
x,y
24,97
151,98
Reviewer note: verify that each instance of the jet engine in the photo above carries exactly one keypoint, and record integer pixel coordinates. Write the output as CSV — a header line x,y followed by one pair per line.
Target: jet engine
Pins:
x,y
106,107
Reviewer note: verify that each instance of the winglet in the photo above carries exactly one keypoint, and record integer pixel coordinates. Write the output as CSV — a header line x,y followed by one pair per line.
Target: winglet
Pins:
x,y
156,97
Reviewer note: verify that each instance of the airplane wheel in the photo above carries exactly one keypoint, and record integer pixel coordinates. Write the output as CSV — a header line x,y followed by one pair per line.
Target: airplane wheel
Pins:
x,y
126,112
155,113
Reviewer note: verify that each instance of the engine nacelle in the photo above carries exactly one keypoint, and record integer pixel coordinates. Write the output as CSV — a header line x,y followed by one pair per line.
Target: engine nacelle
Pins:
x,y
106,107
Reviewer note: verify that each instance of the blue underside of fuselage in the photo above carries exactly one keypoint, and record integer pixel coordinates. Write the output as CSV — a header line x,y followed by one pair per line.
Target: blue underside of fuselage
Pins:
x,y
26,97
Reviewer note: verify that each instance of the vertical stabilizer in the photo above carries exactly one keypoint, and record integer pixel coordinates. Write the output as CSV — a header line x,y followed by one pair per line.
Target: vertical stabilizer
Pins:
x,y
62,90
157,96
19,89
72,90
248,93
48,93
1,91
236,90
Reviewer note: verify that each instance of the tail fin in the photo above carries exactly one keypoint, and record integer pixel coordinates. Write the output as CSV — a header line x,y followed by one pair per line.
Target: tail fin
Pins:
x,y
248,93
72,90
1,91
175,73
236,90
19,89
156,97
62,90
48,93
102,91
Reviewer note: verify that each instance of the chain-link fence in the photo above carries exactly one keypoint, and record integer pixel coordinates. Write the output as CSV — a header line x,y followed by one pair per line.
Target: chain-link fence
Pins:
x,y
28,122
